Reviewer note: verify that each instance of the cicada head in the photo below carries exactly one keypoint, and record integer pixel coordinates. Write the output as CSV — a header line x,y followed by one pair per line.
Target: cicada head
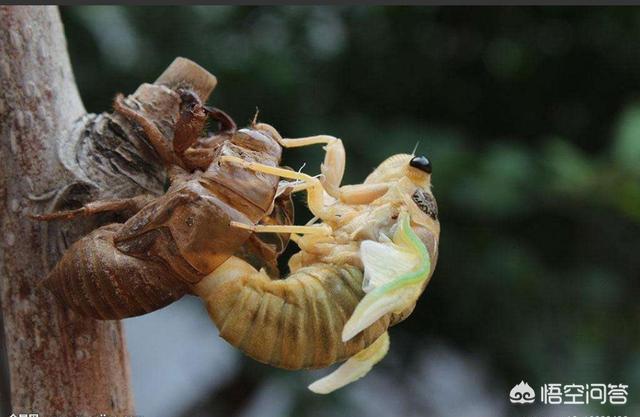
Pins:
x,y
409,179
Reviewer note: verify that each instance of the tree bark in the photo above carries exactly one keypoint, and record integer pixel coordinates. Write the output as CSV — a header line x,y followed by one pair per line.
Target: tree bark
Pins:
x,y
58,363
54,156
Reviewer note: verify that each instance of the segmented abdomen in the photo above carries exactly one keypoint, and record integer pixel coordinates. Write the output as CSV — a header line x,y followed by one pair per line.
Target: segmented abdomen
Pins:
x,y
97,280
291,323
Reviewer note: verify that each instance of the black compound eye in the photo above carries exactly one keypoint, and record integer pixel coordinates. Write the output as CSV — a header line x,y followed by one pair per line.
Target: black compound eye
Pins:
x,y
422,163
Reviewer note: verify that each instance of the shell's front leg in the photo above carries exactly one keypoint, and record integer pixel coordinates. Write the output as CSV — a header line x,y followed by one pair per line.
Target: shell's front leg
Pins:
x,y
191,122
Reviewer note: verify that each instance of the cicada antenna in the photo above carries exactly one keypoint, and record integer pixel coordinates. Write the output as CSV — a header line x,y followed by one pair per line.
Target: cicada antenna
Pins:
x,y
255,117
415,148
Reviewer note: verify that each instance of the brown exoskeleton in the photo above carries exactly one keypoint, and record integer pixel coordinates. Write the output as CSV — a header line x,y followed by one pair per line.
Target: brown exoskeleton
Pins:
x,y
348,284
171,242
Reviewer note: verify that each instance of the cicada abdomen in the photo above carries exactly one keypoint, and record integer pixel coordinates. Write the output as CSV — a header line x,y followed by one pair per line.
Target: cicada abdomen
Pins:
x,y
97,280
358,272
291,323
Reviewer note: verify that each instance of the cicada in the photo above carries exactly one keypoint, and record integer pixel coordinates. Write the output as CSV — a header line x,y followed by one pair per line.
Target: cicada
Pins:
x,y
360,269
363,262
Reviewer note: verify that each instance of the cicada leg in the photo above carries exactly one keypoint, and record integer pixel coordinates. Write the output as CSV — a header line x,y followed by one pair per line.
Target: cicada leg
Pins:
x,y
127,205
259,228
333,170
334,161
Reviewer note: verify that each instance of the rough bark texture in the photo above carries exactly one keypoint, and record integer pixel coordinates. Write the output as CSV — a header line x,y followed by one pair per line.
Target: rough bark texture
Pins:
x,y
58,362
54,157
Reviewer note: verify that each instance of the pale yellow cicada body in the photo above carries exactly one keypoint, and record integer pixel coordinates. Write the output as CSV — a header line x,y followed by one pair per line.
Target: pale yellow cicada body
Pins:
x,y
360,269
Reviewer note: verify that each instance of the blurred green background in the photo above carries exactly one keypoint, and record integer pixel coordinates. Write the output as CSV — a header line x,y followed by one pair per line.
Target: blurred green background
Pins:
x,y
531,117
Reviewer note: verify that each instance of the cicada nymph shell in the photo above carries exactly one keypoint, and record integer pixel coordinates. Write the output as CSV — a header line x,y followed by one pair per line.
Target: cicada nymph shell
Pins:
x,y
173,241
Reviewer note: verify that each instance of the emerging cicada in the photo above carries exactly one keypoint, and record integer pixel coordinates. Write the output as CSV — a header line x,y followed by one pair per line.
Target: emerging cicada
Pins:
x,y
358,272
360,269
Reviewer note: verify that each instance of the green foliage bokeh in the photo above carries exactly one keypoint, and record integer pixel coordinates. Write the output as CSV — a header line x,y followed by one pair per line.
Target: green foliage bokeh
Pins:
x,y
531,119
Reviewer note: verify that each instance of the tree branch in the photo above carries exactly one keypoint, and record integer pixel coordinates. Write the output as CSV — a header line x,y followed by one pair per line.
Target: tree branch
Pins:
x,y
56,157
